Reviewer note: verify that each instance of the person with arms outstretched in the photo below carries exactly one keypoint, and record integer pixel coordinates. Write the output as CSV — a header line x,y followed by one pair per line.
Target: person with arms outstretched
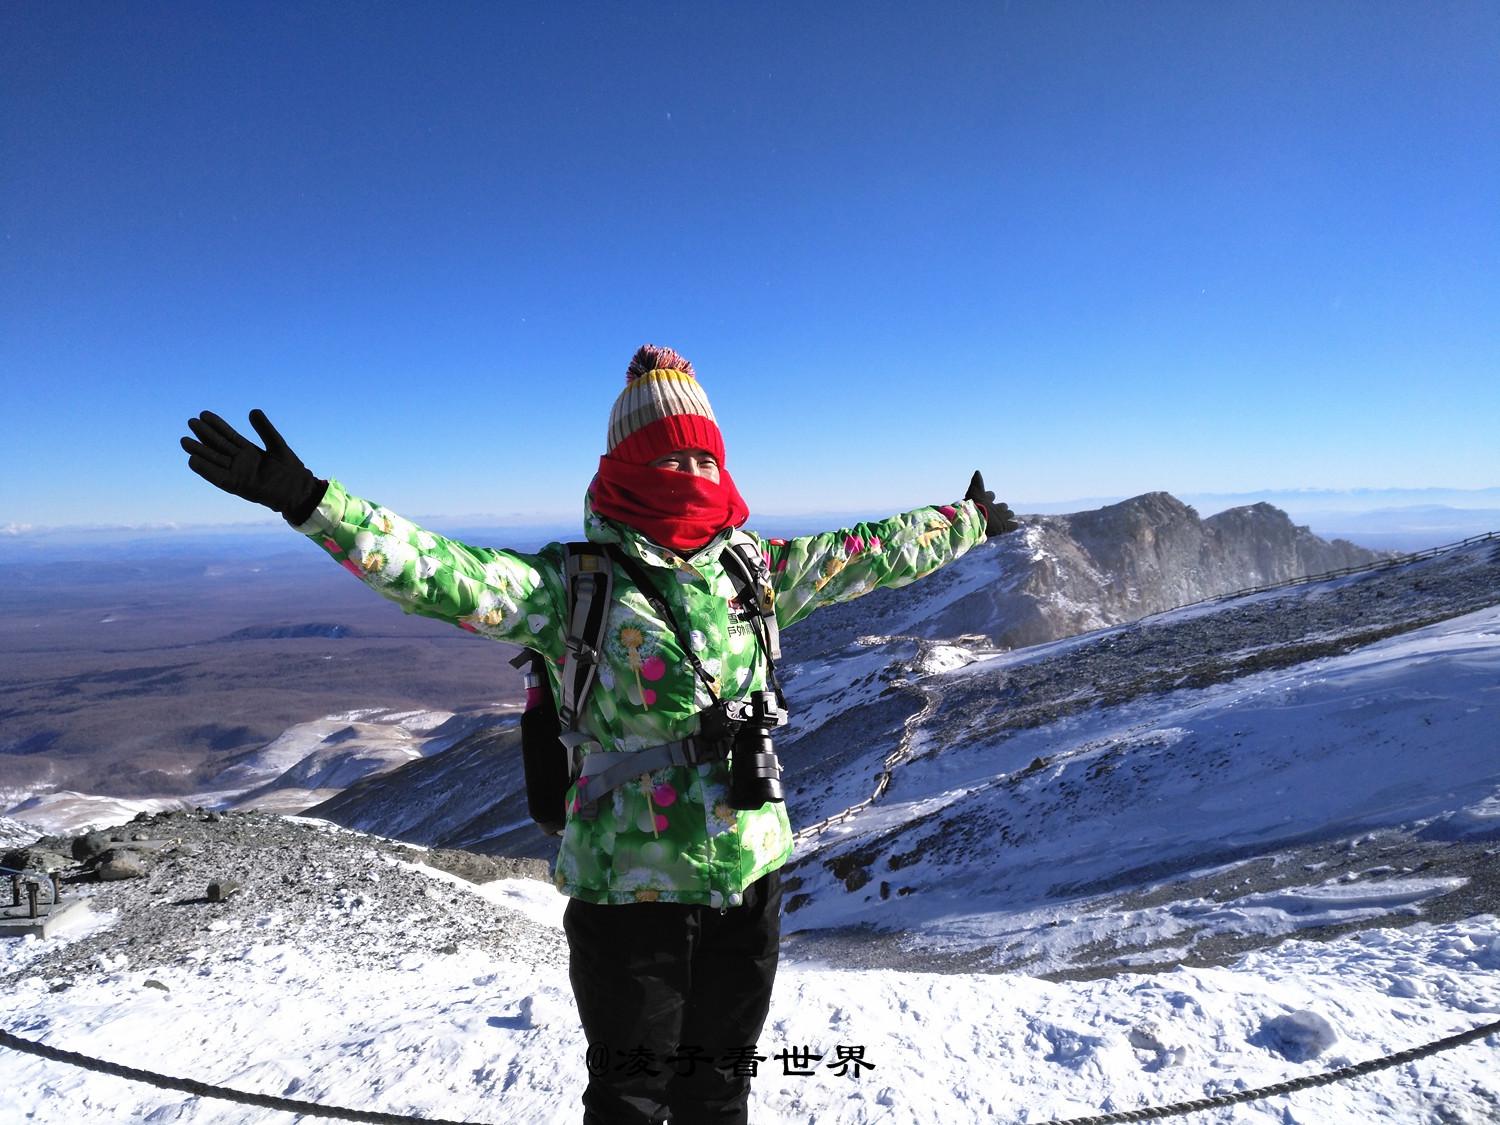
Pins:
x,y
670,852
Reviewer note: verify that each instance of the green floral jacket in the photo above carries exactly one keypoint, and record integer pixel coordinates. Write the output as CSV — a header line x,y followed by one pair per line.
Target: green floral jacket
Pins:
x,y
671,836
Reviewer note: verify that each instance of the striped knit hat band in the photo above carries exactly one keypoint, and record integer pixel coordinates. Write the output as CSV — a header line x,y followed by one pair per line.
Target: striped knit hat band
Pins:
x,y
662,409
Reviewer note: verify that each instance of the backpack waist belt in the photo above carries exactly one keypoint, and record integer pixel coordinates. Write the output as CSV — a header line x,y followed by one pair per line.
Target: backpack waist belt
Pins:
x,y
604,771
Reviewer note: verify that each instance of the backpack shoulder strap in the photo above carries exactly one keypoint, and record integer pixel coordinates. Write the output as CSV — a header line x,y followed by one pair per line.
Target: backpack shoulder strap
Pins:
x,y
589,579
750,571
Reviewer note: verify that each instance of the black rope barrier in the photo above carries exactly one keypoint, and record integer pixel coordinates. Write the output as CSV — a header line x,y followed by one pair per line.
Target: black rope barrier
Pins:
x,y
207,1090
315,1109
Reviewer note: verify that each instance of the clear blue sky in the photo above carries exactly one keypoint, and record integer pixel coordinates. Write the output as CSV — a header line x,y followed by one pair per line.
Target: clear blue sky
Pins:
x,y
1093,248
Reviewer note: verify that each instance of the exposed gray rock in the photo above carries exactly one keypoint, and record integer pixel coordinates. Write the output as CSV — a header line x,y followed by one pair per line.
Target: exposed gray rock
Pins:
x,y
119,863
91,845
34,859
356,898
1116,564
1297,1036
478,868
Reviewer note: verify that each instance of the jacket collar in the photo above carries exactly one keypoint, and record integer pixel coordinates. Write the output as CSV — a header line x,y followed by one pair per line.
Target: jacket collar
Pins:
x,y
601,529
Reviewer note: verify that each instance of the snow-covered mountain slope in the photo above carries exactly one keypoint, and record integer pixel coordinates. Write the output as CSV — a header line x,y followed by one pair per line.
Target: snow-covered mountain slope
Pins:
x,y
13,832
339,749
1058,783
854,683
1017,780
307,763
65,810
471,796
1015,846
1075,896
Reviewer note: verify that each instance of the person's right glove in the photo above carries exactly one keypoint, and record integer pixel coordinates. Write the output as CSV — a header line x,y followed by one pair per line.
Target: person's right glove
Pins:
x,y
998,518
273,476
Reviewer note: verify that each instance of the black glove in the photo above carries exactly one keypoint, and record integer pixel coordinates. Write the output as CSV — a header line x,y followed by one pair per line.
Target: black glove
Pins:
x,y
273,476
998,518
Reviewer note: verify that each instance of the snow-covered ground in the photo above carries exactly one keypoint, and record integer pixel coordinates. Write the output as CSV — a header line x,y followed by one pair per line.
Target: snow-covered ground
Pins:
x,y
476,1037
979,843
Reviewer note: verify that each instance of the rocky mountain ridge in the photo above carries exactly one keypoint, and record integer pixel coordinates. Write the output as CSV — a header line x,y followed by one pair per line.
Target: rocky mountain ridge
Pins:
x,y
1064,575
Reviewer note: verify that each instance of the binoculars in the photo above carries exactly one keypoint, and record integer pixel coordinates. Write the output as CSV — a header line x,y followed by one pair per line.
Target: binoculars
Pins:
x,y
746,725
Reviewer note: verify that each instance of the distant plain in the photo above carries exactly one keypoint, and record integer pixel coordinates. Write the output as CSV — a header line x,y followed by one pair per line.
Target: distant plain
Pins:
x,y
127,677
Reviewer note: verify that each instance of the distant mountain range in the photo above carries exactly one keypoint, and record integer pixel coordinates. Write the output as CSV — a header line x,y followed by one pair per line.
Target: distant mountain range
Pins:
x,y
1298,502
1391,519
1397,518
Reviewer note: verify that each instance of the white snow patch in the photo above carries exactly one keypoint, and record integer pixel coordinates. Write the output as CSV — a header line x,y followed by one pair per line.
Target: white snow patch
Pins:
x,y
476,1037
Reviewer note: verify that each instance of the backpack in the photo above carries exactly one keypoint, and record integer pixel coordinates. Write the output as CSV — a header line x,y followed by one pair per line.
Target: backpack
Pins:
x,y
552,747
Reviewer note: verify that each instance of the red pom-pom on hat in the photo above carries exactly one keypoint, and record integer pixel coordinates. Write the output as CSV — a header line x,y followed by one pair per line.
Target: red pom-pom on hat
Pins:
x,y
654,357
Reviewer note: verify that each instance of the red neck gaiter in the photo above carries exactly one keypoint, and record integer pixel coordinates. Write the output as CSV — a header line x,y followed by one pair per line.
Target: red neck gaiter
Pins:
x,y
677,510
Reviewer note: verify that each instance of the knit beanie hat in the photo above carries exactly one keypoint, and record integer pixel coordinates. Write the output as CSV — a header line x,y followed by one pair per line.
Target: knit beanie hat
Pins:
x,y
662,408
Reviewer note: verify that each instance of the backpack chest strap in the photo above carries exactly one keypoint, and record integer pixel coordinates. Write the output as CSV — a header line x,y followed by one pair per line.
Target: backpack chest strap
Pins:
x,y
606,770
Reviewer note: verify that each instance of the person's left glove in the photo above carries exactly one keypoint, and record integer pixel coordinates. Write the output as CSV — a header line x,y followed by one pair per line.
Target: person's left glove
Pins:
x,y
998,518
273,476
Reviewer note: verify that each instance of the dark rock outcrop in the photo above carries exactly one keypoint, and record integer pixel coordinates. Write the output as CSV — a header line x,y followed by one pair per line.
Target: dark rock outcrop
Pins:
x,y
329,630
1069,574
120,863
91,845
33,859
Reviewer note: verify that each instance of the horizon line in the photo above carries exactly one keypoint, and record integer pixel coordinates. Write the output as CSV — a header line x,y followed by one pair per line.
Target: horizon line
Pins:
x,y
15,530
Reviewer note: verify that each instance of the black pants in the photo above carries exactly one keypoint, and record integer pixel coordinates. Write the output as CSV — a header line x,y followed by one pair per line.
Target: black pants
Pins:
x,y
666,993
